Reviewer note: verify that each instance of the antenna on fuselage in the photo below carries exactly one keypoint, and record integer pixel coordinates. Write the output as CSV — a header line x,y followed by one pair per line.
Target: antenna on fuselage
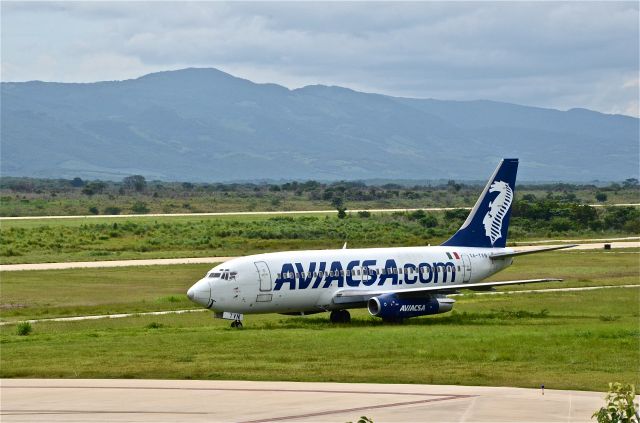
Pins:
x,y
344,247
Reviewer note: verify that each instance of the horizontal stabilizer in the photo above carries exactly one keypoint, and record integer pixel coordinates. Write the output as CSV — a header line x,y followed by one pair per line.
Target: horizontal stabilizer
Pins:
x,y
532,251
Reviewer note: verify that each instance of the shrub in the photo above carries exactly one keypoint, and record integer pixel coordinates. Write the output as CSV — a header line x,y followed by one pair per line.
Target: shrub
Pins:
x,y
417,215
112,210
560,224
24,328
620,406
364,213
140,207
429,221
94,210
456,214
154,325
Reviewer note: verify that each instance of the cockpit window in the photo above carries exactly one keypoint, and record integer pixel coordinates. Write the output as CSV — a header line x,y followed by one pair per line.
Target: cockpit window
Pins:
x,y
214,275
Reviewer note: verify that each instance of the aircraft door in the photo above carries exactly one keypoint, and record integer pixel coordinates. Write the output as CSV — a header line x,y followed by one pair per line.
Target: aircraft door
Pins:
x,y
264,274
466,267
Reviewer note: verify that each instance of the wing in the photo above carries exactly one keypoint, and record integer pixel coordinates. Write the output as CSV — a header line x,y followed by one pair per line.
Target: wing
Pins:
x,y
345,296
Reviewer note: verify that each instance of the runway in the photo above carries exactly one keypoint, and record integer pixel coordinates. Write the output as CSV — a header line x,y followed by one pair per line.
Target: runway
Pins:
x,y
199,260
86,400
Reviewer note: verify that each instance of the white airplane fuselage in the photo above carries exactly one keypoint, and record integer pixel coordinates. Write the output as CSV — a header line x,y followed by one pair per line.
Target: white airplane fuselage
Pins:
x,y
393,283
299,281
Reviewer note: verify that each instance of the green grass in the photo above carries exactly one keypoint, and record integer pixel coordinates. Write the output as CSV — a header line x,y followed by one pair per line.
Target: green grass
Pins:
x,y
78,292
57,241
61,293
64,240
577,268
564,340
524,340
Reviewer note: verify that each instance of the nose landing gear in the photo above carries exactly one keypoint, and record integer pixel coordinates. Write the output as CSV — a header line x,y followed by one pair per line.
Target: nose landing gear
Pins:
x,y
236,324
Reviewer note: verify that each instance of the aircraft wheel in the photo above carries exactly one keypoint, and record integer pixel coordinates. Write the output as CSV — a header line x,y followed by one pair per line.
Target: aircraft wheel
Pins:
x,y
340,316
236,324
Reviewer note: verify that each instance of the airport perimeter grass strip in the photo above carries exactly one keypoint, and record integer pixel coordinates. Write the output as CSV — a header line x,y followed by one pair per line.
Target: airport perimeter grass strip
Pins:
x,y
577,340
160,313
32,295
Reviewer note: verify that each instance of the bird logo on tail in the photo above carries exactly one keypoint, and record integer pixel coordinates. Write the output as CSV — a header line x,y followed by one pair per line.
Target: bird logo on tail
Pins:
x,y
498,209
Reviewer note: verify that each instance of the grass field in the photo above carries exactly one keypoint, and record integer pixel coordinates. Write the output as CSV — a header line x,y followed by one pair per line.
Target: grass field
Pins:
x,y
64,240
568,340
64,293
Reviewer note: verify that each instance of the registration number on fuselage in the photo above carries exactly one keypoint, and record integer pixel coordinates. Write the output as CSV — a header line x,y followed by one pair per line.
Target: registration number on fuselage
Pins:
x,y
232,316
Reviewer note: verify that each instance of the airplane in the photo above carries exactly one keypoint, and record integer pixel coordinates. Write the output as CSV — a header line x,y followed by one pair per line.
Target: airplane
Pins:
x,y
392,283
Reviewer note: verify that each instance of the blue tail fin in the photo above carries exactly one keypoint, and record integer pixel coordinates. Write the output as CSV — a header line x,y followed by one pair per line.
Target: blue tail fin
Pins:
x,y
488,222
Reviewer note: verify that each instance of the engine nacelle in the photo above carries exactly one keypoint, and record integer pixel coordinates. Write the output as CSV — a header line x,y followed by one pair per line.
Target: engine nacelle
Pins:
x,y
391,307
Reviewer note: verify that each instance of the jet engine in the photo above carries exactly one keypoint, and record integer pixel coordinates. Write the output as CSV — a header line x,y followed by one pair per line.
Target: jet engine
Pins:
x,y
393,307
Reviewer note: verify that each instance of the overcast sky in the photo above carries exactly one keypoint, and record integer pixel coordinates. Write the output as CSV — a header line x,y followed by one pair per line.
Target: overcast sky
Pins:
x,y
549,54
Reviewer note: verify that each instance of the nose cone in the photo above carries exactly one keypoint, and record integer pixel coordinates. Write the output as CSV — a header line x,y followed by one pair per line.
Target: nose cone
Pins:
x,y
200,293
191,294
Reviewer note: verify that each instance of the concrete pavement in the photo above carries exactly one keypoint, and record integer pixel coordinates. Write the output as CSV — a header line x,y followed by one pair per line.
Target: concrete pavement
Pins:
x,y
86,400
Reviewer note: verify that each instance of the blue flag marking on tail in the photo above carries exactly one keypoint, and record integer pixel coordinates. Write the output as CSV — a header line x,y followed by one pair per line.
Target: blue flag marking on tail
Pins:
x,y
488,221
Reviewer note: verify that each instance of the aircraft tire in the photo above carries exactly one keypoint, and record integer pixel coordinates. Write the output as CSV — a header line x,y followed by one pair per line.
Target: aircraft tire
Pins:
x,y
236,324
340,316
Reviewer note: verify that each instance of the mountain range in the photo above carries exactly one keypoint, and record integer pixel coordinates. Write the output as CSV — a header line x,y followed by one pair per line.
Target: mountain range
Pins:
x,y
206,125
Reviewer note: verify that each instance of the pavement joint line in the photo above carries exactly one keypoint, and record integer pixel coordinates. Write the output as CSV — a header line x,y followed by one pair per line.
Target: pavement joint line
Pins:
x,y
350,410
433,398
165,312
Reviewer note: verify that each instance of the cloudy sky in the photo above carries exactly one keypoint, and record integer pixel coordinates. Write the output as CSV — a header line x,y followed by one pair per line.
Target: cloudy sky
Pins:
x,y
549,54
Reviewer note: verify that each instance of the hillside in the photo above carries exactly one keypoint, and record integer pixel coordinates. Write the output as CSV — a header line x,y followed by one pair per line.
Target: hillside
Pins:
x,y
206,125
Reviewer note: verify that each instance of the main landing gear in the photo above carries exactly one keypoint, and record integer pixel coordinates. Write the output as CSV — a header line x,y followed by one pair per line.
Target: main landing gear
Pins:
x,y
236,324
340,316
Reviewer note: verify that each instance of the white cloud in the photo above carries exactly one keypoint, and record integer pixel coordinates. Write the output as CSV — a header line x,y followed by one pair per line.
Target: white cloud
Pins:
x,y
552,54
